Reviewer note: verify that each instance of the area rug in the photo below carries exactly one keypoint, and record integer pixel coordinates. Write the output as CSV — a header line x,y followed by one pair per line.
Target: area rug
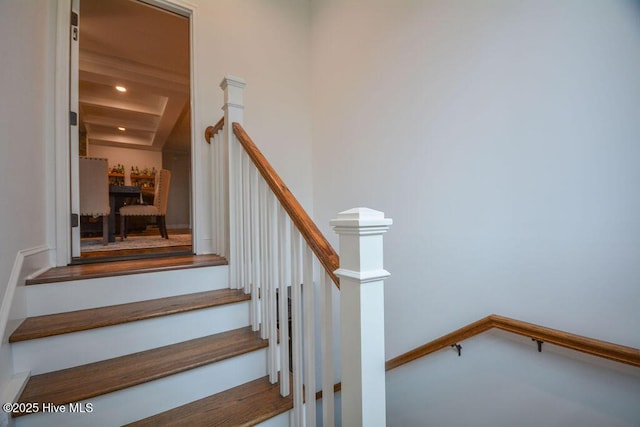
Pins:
x,y
94,244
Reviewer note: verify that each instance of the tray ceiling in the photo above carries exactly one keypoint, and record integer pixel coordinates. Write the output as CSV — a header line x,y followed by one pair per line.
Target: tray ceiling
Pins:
x,y
145,50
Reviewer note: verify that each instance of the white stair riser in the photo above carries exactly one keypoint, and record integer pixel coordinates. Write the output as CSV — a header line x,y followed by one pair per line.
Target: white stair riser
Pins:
x,y
90,293
79,348
282,420
148,399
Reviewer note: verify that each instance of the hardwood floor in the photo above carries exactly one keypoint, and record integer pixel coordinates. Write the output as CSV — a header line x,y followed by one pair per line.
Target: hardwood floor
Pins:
x,y
136,253
103,256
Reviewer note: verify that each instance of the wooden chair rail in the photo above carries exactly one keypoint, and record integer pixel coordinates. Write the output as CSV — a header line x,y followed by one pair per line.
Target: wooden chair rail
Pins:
x,y
606,350
312,235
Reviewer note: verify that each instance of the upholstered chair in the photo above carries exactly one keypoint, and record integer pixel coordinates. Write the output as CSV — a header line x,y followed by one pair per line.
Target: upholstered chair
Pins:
x,y
158,209
94,191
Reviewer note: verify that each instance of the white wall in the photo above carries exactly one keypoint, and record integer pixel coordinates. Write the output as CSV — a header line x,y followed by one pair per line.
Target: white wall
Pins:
x,y
502,138
503,381
267,44
25,114
127,157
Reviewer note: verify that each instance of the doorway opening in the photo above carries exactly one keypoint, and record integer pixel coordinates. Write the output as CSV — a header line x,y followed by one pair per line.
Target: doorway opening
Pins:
x,y
134,110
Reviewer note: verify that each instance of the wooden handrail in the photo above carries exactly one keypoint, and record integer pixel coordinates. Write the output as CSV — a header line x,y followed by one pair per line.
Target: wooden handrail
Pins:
x,y
314,238
444,341
606,350
308,229
212,130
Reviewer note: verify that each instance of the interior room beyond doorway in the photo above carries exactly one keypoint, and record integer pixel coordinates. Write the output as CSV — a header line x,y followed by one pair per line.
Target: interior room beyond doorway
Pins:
x,y
134,111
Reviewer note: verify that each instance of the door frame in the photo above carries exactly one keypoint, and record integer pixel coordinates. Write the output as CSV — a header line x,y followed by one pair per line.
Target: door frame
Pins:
x,y
61,252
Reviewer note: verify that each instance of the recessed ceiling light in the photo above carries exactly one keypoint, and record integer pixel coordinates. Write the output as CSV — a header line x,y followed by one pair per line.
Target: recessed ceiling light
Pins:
x,y
121,128
121,88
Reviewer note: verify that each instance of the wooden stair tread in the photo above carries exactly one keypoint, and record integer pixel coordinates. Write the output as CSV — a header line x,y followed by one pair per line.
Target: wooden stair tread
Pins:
x,y
81,320
244,405
119,268
94,379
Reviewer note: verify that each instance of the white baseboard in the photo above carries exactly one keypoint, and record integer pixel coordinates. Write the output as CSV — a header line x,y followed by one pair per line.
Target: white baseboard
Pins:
x,y
203,246
28,263
14,388
11,392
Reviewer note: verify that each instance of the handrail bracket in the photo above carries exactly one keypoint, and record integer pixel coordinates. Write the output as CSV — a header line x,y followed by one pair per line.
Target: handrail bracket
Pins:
x,y
458,347
539,342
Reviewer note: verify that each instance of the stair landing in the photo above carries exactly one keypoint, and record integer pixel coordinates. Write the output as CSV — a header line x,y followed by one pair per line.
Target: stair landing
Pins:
x,y
120,268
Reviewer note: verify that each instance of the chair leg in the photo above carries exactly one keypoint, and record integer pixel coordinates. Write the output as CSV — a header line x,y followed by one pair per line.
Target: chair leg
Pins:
x,y
164,227
105,230
122,227
159,224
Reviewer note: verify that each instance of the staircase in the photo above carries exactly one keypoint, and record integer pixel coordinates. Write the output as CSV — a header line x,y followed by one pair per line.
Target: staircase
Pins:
x,y
121,342
177,343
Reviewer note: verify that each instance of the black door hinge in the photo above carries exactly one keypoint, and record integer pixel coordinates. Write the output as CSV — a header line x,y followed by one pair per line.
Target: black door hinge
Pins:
x,y
74,26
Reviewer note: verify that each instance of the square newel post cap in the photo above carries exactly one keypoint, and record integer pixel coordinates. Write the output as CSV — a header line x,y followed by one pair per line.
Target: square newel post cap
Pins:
x,y
364,220
233,88
232,81
360,231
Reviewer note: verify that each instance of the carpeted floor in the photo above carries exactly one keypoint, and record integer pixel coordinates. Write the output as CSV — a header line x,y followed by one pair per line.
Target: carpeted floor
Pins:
x,y
94,244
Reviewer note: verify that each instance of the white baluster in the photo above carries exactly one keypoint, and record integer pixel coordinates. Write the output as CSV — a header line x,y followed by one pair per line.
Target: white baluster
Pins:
x,y
238,263
296,320
273,282
213,160
224,192
223,187
246,202
309,339
362,316
328,416
283,239
215,199
267,262
215,181
214,190
255,250
218,182
264,261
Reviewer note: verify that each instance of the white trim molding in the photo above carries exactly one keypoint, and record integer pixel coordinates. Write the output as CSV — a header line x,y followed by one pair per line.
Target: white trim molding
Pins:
x,y
60,202
28,263
62,199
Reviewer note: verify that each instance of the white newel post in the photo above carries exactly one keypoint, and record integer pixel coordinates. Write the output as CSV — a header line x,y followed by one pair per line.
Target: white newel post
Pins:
x,y
233,107
362,315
